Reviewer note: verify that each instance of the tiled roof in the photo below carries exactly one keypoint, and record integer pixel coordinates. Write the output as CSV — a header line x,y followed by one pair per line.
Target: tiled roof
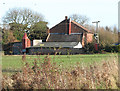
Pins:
x,y
65,38
56,44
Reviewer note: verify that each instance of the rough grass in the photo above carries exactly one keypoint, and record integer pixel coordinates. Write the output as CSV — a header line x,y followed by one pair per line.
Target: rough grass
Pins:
x,y
49,75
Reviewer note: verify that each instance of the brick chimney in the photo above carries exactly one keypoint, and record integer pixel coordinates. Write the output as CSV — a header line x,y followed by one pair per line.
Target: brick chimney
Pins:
x,y
69,26
25,41
66,25
66,17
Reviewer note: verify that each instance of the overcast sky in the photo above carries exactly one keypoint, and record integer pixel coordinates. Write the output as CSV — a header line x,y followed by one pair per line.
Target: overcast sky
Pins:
x,y
54,11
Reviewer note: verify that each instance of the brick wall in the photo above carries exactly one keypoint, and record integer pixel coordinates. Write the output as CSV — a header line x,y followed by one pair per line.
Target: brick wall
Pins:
x,y
76,29
89,37
63,27
59,28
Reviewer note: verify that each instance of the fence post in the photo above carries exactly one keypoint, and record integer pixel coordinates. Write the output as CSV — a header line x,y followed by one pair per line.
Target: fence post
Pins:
x,y
24,56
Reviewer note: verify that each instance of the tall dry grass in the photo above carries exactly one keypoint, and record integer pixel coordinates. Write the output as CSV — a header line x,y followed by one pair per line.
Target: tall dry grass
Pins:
x,y
49,76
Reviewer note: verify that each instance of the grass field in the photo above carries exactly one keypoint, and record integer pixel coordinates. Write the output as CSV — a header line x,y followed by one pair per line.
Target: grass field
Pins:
x,y
98,71
14,63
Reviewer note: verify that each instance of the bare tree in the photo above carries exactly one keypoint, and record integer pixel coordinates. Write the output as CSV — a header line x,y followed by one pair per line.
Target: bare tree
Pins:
x,y
23,20
81,19
22,16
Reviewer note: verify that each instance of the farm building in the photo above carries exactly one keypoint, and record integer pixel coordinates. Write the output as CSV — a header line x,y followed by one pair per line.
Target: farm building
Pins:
x,y
65,37
69,31
14,48
17,48
55,47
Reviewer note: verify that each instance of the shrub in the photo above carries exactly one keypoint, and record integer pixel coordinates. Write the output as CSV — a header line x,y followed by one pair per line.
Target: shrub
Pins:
x,y
49,76
89,48
110,48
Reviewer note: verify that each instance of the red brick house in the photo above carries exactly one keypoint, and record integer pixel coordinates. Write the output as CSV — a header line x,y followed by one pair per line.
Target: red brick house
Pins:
x,y
69,31
65,37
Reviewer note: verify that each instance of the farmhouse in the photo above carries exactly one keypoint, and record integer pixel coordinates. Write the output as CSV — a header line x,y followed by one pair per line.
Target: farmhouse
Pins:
x,y
66,37
69,31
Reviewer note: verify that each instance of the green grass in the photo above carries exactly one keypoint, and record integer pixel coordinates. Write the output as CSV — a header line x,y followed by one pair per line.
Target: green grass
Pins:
x,y
15,62
86,60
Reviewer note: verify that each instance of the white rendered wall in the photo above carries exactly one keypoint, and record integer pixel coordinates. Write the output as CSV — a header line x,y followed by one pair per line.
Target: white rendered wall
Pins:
x,y
36,42
79,45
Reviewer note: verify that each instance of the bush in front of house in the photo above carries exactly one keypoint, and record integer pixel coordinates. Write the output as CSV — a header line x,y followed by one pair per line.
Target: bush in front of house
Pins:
x,y
112,48
90,48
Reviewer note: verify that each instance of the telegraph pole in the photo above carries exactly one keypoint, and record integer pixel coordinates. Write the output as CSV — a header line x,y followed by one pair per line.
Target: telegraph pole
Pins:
x,y
97,31
96,36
